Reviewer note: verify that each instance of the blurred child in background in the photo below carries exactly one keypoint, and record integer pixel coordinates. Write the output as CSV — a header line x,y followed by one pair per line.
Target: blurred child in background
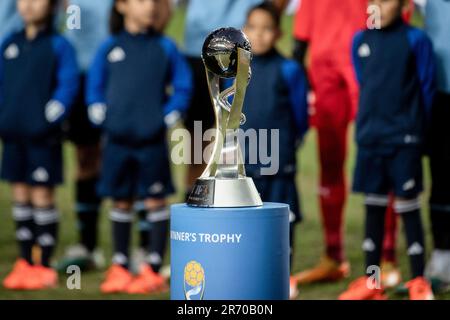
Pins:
x,y
145,228
275,99
325,30
437,24
86,38
38,84
396,70
127,95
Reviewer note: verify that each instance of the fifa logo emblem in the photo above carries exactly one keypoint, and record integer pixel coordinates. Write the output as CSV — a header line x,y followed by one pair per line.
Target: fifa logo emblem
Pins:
x,y
194,281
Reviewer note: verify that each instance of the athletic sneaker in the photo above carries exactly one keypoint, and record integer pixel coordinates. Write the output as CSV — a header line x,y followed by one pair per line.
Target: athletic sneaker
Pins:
x,y
79,256
147,282
42,278
14,280
419,289
361,290
293,288
117,280
27,277
165,271
438,268
327,270
390,275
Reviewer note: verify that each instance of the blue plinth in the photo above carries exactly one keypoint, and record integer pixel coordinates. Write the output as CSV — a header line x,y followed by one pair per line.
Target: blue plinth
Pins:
x,y
230,253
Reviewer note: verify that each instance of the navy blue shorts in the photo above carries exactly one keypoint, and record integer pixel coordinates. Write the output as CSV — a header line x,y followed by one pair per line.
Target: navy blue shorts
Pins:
x,y
135,172
280,189
31,163
389,169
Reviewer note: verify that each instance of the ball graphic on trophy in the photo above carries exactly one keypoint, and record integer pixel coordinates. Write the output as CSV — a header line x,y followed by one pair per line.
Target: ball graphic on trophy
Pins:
x,y
220,51
194,273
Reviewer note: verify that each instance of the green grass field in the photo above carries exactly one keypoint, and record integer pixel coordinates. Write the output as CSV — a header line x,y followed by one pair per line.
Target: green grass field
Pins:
x,y
309,239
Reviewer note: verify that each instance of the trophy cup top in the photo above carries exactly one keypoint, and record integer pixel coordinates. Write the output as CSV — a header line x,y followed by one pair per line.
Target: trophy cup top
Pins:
x,y
220,51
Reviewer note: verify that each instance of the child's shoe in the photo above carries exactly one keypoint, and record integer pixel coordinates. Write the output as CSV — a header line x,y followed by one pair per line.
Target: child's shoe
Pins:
x,y
419,289
147,282
327,270
438,270
360,290
14,280
117,280
42,278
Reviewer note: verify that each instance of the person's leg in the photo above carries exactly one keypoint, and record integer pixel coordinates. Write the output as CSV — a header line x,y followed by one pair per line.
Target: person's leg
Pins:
x,y
330,114
149,279
158,217
23,216
390,234
13,170
369,286
333,193
118,182
86,140
406,176
370,178
374,229
44,173
333,112
87,200
25,236
154,185
390,272
144,227
409,209
46,218
118,277
121,218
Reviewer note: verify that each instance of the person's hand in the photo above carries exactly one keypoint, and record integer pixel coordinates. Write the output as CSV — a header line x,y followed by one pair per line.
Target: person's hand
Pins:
x,y
97,113
172,118
54,111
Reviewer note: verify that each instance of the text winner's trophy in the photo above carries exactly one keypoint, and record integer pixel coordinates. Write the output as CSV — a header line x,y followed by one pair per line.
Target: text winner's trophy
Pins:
x,y
225,243
226,54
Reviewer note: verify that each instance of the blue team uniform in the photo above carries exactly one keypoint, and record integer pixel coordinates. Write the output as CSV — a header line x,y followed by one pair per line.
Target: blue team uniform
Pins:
x,y
94,30
35,76
130,75
276,98
396,70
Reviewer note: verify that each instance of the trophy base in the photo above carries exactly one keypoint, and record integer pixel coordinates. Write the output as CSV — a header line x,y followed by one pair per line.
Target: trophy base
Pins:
x,y
224,193
229,253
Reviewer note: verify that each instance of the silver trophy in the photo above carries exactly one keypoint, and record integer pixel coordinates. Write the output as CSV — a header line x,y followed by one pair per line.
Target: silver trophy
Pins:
x,y
226,54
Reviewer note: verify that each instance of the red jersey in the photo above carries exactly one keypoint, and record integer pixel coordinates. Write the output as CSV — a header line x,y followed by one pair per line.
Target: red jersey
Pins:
x,y
329,27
